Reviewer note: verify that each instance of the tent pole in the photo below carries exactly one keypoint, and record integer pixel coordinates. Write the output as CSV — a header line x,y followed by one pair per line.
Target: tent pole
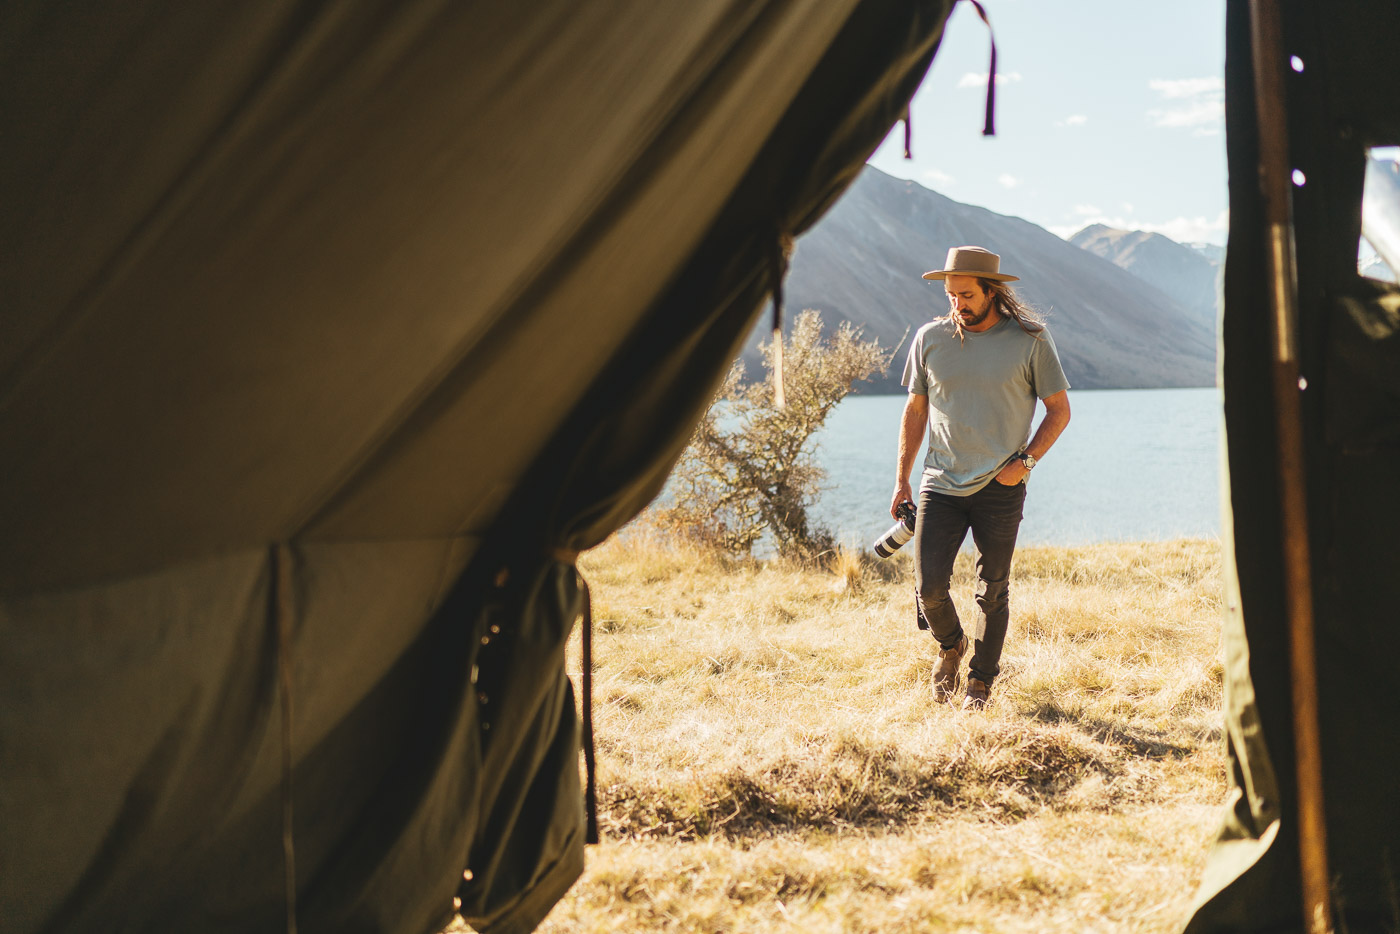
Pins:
x,y
1275,177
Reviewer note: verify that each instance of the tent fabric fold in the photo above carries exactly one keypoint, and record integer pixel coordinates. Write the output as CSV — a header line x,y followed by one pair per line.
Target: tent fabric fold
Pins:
x,y
414,294
1341,102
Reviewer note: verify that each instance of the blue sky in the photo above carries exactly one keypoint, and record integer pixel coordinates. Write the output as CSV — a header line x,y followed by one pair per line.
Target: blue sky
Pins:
x,y
1107,112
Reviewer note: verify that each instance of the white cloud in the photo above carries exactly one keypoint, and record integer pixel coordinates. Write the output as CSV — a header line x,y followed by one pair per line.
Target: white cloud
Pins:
x,y
1128,206
1008,180
1073,120
937,177
1086,210
1193,229
973,80
1195,113
1180,229
1197,104
1186,88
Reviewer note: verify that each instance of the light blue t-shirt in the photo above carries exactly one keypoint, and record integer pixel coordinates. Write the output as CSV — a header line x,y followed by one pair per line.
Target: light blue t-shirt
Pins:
x,y
981,392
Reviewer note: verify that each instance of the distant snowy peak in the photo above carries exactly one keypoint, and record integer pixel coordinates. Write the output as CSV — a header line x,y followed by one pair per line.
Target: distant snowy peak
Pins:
x,y
1113,243
1211,251
1186,272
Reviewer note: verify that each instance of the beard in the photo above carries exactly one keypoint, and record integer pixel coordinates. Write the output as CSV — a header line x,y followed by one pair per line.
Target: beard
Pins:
x,y
971,321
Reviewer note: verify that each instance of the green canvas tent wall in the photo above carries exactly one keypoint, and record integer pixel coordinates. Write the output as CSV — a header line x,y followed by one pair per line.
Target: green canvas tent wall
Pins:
x,y
330,331
1341,95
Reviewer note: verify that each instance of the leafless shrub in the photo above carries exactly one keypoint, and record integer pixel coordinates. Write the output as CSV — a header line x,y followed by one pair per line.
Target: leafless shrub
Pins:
x,y
749,469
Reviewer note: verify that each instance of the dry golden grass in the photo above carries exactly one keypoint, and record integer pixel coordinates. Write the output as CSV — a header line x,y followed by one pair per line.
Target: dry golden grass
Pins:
x,y
771,759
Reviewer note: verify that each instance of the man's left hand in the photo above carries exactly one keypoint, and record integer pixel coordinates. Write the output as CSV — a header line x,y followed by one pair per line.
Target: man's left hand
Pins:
x,y
1013,473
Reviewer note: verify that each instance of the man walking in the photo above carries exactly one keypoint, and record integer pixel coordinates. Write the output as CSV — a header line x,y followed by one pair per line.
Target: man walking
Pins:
x,y
973,377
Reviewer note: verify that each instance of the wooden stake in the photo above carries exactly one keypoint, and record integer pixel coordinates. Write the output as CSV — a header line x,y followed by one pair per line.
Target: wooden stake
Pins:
x,y
1275,179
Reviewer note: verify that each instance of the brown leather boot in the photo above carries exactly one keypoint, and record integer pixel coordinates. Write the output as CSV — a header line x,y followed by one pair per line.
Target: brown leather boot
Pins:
x,y
977,693
945,676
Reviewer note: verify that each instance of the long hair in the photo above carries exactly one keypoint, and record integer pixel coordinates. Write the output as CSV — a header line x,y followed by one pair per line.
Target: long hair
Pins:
x,y
1006,302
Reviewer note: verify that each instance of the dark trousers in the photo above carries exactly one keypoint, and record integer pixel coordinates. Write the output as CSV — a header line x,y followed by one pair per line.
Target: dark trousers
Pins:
x,y
993,514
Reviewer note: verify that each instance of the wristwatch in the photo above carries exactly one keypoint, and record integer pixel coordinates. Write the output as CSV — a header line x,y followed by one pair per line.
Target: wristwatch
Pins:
x,y
1027,459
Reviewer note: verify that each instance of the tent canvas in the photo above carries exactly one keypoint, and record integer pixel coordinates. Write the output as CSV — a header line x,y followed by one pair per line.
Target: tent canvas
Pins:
x,y
1344,100
331,332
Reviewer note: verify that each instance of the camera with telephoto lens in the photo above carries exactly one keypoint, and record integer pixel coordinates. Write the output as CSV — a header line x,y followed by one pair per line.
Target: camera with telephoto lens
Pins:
x,y
899,533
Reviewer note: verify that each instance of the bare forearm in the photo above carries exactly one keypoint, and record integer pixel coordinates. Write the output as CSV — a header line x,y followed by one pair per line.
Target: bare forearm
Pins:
x,y
1051,426
911,434
911,437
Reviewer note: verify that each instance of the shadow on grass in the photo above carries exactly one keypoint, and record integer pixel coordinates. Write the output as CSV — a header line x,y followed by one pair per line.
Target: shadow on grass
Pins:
x,y
1007,775
1138,742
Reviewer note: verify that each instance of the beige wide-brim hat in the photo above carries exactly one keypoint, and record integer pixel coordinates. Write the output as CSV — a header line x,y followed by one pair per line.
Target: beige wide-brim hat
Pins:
x,y
972,261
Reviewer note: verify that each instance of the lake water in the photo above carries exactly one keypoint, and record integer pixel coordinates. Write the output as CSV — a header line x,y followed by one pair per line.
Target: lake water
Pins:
x,y
1133,465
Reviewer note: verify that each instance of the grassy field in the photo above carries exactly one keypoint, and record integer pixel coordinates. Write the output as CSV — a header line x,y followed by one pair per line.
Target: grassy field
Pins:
x,y
771,758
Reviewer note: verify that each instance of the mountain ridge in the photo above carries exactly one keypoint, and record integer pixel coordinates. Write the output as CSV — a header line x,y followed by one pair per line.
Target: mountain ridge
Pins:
x,y
1181,271
864,263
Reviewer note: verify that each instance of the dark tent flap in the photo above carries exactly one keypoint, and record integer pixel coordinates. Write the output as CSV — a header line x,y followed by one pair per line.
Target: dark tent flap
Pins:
x,y
1343,100
146,682
336,322
162,690
368,252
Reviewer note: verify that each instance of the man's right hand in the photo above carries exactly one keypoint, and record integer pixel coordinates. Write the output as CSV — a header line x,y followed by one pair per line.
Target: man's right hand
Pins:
x,y
902,494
